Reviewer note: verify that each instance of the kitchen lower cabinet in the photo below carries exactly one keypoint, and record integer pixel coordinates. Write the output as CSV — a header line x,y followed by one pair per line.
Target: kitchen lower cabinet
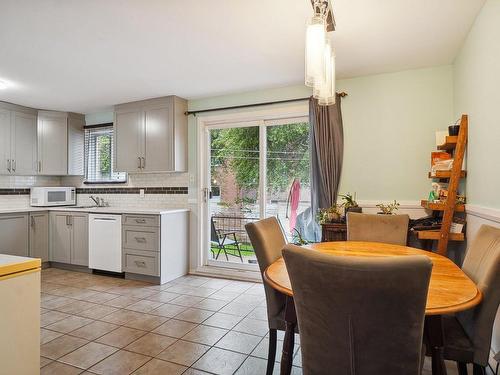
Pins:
x,y
14,234
69,238
39,235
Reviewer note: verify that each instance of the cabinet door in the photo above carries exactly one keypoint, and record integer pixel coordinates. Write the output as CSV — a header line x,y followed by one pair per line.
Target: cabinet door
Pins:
x,y
159,135
4,141
53,145
80,239
129,141
76,150
14,234
60,238
39,236
24,151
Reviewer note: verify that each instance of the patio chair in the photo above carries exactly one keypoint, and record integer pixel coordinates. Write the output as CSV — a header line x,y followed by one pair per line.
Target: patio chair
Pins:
x,y
221,240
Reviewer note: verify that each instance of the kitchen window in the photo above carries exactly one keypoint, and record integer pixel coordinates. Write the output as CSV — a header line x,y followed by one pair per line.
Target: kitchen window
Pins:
x,y
99,156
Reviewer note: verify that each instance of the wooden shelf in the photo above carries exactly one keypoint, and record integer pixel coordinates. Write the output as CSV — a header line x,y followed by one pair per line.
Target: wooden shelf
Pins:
x,y
449,144
446,174
440,206
436,235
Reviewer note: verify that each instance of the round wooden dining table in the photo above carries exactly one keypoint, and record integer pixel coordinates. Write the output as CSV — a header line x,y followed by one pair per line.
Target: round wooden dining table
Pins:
x,y
450,291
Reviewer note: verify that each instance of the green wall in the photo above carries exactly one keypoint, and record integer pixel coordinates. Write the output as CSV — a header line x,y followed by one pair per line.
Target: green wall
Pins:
x,y
477,93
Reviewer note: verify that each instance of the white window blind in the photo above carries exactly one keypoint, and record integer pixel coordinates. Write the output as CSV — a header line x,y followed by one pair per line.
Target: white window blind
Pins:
x,y
99,156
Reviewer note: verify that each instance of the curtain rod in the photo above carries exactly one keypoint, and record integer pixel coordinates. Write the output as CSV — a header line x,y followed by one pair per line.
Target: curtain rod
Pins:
x,y
187,113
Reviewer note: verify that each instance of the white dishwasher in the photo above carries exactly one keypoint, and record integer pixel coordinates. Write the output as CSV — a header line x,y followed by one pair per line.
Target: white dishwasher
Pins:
x,y
105,242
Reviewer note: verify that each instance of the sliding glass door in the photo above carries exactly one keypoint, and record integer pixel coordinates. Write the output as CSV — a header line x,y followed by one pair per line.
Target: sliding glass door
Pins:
x,y
253,170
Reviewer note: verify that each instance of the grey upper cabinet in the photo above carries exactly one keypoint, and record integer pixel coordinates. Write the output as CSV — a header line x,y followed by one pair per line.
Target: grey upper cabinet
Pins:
x,y
18,142
151,135
39,235
60,143
69,238
14,234
52,143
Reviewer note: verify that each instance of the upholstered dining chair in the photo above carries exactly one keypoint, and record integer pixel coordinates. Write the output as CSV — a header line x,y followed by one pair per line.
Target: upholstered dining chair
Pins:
x,y
468,334
359,315
268,240
391,229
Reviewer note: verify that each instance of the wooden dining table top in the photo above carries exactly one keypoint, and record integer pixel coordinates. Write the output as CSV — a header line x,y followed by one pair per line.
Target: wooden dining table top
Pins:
x,y
450,289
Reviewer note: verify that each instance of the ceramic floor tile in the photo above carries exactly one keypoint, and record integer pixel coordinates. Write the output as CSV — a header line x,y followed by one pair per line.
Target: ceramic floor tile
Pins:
x,y
157,366
56,302
121,302
211,304
47,335
146,322
120,363
236,308
162,297
121,337
168,310
51,317
57,368
254,365
239,342
252,326
75,307
150,344
144,306
101,297
94,330
97,312
44,361
69,324
184,352
194,315
222,320
220,361
88,355
185,300
224,296
175,328
205,335
61,346
121,316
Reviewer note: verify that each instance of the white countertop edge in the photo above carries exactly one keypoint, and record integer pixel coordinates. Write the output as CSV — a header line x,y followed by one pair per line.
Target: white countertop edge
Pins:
x,y
100,210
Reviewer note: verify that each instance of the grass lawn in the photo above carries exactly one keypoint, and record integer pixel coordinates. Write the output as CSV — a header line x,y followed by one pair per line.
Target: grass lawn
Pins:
x,y
245,248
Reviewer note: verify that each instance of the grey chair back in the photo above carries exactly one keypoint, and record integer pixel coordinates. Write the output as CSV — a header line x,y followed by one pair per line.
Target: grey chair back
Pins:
x,y
391,229
267,239
359,315
482,265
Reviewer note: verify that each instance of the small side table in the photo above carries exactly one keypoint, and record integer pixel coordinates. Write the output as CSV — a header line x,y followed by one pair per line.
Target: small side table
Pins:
x,y
333,232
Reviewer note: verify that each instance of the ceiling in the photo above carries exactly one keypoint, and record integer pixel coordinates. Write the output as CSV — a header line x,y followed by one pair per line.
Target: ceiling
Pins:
x,y
87,55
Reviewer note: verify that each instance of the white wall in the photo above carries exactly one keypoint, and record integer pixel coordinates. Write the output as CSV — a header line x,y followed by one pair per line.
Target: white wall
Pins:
x,y
477,93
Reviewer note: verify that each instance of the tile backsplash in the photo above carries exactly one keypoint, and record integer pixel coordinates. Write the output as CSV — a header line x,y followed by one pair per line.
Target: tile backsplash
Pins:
x,y
161,190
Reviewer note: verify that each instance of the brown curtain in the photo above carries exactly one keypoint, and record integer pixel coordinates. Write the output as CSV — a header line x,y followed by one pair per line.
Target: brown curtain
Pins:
x,y
327,150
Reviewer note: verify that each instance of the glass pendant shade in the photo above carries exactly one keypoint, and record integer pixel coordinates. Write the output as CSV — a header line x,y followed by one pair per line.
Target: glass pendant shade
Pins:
x,y
324,91
315,45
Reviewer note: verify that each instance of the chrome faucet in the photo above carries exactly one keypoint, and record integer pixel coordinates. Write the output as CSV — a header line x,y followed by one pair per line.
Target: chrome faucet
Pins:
x,y
100,202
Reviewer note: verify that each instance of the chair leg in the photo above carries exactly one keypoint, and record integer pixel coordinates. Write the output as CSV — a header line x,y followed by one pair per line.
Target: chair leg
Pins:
x,y
239,251
462,368
478,370
271,355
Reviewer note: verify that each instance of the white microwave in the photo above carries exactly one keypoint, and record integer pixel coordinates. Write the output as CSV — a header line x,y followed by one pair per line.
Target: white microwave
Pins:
x,y
52,196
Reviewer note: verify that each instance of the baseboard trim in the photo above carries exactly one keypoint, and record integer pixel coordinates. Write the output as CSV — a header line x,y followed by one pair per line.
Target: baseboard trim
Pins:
x,y
227,273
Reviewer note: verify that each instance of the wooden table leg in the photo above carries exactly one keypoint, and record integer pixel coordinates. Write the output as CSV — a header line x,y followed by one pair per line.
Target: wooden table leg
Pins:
x,y
435,337
289,342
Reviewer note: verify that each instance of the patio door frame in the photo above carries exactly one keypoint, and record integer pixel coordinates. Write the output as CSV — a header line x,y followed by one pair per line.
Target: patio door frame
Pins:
x,y
226,120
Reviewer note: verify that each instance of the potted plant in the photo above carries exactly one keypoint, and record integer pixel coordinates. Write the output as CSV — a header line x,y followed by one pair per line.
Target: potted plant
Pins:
x,y
349,203
332,214
388,209
297,238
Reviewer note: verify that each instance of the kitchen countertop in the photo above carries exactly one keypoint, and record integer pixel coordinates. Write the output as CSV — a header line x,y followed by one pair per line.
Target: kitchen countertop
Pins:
x,y
103,210
12,264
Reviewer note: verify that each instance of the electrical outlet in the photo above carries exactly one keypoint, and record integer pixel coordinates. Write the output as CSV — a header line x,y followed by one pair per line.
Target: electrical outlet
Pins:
x,y
141,193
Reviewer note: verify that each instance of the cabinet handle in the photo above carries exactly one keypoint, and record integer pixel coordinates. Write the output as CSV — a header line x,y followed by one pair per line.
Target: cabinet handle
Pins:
x,y
140,162
143,162
39,166
13,165
32,222
8,165
140,264
69,220
140,220
140,239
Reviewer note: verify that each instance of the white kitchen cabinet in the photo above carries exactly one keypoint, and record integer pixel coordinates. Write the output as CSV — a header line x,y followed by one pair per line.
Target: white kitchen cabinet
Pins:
x,y
18,143
60,143
14,234
69,238
151,136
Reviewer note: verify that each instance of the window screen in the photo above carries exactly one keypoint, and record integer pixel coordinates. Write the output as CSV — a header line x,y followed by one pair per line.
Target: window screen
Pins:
x,y
99,156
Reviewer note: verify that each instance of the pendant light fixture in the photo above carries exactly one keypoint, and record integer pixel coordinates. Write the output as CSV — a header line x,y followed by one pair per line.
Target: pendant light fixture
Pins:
x,y
320,58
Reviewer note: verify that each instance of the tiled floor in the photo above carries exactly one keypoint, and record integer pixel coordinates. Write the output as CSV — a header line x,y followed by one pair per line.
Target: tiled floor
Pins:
x,y
194,325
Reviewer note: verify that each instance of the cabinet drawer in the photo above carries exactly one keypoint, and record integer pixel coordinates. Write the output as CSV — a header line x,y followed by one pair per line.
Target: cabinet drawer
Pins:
x,y
142,220
140,238
141,262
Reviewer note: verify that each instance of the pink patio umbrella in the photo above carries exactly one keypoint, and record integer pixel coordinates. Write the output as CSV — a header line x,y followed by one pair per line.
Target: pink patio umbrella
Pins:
x,y
294,197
